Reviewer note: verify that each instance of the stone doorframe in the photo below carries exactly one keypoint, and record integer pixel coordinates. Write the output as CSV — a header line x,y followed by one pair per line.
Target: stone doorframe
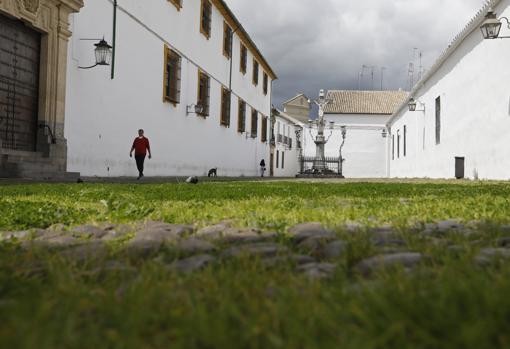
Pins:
x,y
51,18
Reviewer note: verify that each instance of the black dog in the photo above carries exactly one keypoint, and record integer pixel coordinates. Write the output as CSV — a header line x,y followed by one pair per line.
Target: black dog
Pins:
x,y
213,172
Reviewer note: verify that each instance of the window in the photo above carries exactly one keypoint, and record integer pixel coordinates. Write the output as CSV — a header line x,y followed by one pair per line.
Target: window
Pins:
x,y
265,83
244,59
172,78
398,144
255,72
263,136
283,159
206,18
177,4
254,123
225,107
204,87
241,121
438,120
227,40
405,140
277,158
393,147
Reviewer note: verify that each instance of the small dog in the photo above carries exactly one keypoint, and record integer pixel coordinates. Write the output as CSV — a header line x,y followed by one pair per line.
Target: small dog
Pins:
x,y
213,172
192,180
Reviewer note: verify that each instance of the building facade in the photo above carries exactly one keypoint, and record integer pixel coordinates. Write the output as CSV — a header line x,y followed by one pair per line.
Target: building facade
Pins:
x,y
298,107
462,118
364,115
170,57
287,145
34,38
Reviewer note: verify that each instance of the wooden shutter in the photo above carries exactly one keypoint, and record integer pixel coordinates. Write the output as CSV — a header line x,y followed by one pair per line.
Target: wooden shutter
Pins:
x,y
244,58
227,40
255,72
225,107
205,20
172,76
263,137
265,83
254,123
241,123
204,92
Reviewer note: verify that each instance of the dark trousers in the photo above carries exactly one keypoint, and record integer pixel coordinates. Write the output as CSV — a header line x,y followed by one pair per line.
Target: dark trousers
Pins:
x,y
140,159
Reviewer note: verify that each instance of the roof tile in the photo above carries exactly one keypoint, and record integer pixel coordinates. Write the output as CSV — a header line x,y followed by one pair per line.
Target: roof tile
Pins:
x,y
365,102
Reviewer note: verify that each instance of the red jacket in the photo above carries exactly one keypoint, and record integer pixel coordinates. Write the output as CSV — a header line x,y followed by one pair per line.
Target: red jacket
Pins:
x,y
141,146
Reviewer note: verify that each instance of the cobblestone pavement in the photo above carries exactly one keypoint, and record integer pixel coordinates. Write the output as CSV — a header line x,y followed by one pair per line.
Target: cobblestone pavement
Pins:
x,y
309,248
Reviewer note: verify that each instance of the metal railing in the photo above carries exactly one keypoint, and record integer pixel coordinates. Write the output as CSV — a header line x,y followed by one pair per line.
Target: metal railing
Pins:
x,y
308,163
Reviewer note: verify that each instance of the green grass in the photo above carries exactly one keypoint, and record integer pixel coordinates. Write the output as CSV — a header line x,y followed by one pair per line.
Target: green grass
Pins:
x,y
267,205
448,302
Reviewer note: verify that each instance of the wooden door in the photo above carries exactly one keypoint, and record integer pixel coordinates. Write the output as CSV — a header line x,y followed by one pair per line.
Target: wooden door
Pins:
x,y
20,48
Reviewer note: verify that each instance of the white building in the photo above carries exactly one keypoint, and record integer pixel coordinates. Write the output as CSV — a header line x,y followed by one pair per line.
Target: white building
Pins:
x,y
298,107
287,146
463,111
170,55
364,115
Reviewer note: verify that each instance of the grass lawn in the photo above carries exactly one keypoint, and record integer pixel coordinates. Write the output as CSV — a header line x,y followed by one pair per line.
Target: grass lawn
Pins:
x,y
448,301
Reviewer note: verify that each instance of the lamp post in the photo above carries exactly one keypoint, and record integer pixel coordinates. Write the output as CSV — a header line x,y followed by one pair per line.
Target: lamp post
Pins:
x,y
341,158
491,27
319,164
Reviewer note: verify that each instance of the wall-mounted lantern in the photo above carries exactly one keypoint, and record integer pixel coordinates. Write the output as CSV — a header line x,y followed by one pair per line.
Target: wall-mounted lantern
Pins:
x,y
103,53
491,27
194,109
413,104
384,133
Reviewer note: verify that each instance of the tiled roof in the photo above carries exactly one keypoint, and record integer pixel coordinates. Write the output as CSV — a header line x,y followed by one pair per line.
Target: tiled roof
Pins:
x,y
365,102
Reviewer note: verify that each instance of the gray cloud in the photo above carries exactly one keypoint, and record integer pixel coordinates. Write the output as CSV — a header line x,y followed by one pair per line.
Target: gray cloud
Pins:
x,y
313,44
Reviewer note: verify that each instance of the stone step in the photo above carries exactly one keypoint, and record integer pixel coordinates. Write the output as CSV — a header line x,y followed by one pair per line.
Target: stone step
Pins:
x,y
68,176
42,175
25,159
10,152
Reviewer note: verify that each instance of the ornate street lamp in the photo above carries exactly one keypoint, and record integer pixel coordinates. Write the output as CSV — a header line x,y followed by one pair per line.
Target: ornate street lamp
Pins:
x,y
491,27
341,158
103,53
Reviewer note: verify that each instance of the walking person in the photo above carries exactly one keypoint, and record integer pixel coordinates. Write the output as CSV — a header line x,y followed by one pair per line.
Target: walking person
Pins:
x,y
262,167
141,147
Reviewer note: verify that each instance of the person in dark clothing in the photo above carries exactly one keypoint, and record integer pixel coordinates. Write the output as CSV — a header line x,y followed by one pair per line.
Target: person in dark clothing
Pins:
x,y
141,147
262,167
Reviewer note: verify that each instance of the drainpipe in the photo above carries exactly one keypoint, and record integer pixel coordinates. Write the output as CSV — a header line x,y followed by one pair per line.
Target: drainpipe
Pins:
x,y
114,37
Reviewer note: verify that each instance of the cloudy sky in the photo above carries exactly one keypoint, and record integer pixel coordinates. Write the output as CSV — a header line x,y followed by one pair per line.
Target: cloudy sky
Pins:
x,y
313,44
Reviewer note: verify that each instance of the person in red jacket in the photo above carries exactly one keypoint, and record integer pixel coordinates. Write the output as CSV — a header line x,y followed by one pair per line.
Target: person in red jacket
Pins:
x,y
141,147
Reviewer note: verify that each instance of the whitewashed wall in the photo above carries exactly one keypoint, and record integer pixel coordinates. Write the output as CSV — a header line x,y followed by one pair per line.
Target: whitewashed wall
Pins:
x,y
103,115
474,86
291,155
364,149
